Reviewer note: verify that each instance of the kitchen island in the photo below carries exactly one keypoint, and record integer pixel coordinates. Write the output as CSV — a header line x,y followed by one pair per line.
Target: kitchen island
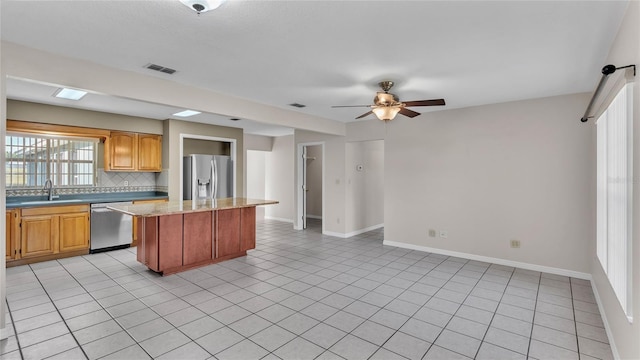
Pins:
x,y
176,236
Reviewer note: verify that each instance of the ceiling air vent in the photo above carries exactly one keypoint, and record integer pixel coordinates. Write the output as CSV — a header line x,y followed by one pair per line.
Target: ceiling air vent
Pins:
x,y
163,69
297,105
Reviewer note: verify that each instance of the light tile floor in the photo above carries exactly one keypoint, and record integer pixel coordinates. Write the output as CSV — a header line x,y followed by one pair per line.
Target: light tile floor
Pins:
x,y
301,295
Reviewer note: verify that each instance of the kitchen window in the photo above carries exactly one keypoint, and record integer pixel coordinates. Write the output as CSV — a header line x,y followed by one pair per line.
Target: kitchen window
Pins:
x,y
32,159
614,179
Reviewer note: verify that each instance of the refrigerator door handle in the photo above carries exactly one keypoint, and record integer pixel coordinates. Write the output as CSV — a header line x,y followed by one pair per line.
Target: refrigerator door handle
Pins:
x,y
214,175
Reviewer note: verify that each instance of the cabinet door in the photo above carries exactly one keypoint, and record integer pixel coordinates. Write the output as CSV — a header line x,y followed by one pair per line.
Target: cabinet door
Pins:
x,y
74,231
39,235
123,151
227,232
197,238
9,237
149,152
248,229
169,241
136,237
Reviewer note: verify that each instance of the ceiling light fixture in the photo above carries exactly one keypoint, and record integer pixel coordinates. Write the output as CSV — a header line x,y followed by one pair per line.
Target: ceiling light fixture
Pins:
x,y
200,6
69,94
386,113
187,113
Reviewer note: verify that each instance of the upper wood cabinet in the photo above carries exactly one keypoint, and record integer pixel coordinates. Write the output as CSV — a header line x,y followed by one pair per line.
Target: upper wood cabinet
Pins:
x,y
127,151
149,152
121,151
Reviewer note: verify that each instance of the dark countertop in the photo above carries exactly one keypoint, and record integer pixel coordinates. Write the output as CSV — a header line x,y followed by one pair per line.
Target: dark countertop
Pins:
x,y
14,202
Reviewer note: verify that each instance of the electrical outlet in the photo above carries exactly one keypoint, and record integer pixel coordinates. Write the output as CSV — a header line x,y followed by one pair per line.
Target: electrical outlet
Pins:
x,y
126,183
515,244
444,234
432,233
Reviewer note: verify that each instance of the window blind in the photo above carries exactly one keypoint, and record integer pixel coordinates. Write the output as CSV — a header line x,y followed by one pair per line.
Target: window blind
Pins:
x,y
614,190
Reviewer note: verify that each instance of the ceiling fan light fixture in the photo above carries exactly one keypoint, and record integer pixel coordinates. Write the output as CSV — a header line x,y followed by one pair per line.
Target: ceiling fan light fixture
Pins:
x,y
201,6
386,113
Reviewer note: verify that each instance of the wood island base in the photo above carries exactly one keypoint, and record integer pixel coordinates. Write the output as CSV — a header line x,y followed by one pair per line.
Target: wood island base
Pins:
x,y
178,242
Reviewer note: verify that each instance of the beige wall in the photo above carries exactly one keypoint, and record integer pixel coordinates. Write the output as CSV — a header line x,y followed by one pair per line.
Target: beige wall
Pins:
x,y
50,114
171,140
489,174
256,178
23,62
334,189
623,335
314,181
4,330
255,142
258,142
209,147
279,175
365,188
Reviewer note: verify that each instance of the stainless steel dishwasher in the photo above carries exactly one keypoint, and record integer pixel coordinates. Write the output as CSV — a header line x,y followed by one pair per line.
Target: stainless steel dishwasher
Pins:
x,y
110,229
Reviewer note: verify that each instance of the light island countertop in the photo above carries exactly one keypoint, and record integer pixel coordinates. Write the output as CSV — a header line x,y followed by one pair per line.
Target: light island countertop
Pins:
x,y
188,206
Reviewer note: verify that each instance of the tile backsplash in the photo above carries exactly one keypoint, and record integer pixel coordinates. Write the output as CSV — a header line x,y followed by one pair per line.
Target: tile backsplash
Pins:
x,y
108,182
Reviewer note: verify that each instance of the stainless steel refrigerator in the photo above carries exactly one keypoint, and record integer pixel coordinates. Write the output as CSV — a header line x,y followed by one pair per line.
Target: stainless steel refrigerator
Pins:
x,y
207,177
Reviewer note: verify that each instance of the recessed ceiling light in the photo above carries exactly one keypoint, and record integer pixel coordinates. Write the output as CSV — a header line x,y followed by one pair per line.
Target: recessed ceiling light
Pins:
x,y
70,94
187,113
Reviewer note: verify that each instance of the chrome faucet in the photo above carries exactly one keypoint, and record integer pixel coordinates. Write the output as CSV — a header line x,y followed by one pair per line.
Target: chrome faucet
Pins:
x,y
48,185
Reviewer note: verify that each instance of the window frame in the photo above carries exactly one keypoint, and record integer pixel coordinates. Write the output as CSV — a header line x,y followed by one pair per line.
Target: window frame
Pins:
x,y
608,190
53,167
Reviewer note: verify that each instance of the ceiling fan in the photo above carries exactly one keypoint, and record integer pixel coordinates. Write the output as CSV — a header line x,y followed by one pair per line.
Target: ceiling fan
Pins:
x,y
387,105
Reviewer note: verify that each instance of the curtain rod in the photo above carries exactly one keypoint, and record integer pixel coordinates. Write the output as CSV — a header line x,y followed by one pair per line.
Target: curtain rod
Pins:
x,y
606,71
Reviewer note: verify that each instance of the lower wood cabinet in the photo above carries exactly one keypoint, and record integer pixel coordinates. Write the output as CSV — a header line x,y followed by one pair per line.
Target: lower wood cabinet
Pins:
x,y
10,237
47,232
173,243
135,219
39,235
227,232
74,231
248,228
198,232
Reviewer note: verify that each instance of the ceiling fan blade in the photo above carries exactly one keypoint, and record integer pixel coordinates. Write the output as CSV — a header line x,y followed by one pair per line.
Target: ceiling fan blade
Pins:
x,y
343,106
407,112
365,114
434,102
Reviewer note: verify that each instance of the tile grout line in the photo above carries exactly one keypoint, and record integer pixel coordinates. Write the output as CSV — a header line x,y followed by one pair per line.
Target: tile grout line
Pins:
x,y
494,315
15,331
535,307
454,314
57,310
575,320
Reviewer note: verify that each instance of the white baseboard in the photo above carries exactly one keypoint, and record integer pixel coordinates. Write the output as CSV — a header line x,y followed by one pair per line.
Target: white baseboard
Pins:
x,y
353,233
314,216
607,328
278,219
518,264
334,234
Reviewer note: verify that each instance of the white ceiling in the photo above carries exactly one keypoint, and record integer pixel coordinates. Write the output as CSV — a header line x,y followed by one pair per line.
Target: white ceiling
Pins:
x,y
323,53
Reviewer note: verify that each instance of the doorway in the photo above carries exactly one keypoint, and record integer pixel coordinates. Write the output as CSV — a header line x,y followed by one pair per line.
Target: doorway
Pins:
x,y
311,192
313,186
